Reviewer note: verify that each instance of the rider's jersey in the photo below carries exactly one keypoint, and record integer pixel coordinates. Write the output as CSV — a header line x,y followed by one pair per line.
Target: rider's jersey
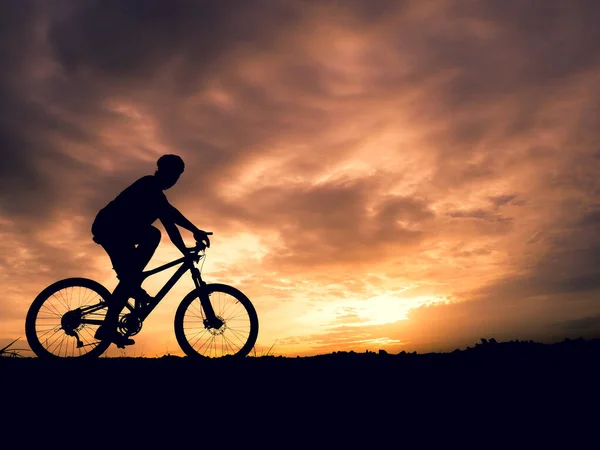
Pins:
x,y
137,207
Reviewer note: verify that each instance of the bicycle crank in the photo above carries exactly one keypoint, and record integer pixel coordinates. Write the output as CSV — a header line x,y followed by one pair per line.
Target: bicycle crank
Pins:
x,y
130,324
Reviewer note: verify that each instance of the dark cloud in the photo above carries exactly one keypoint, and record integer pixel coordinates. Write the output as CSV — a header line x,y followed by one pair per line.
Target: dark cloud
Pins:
x,y
559,36
132,41
564,269
500,200
20,179
591,219
473,214
587,327
502,48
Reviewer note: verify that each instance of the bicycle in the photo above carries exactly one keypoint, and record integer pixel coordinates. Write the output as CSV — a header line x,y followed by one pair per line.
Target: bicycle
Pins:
x,y
213,320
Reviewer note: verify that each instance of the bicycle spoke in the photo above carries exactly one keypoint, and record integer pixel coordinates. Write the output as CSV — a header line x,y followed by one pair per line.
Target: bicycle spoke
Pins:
x,y
223,310
83,297
71,298
241,315
62,299
51,309
54,307
52,330
240,336
210,344
200,334
229,343
89,338
227,346
56,342
87,298
205,344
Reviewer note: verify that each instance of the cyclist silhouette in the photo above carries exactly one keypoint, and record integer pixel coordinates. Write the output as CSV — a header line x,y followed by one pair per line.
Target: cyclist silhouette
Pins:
x,y
124,229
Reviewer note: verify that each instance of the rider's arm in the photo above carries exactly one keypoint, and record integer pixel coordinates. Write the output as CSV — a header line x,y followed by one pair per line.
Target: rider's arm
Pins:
x,y
174,215
174,234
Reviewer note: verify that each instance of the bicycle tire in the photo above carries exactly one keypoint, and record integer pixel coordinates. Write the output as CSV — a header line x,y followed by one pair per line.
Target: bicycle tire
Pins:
x,y
236,337
51,342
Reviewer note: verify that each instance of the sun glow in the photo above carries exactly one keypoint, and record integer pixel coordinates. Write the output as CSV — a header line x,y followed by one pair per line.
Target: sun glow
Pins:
x,y
376,310
388,308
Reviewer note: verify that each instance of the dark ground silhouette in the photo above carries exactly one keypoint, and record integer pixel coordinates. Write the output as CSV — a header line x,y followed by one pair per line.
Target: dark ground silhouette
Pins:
x,y
487,393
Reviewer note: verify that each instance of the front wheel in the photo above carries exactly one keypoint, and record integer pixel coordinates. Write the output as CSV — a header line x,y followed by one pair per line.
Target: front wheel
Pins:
x,y
235,337
63,318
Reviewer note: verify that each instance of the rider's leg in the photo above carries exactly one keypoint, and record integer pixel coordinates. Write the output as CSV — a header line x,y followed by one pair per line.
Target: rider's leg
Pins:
x,y
130,254
129,257
147,241
122,256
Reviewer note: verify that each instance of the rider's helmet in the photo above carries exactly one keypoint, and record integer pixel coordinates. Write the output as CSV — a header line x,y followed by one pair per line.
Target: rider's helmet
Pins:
x,y
170,163
169,168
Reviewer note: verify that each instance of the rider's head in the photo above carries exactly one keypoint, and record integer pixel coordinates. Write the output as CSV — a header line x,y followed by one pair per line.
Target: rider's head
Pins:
x,y
169,168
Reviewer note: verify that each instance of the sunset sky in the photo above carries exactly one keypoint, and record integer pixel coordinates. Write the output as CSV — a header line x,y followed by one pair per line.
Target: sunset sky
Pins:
x,y
378,174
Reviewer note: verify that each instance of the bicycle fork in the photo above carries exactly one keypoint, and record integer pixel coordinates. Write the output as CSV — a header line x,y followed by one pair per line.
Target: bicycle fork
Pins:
x,y
211,320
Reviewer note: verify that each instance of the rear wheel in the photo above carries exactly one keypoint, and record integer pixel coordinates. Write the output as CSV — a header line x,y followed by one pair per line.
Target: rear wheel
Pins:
x,y
235,337
62,320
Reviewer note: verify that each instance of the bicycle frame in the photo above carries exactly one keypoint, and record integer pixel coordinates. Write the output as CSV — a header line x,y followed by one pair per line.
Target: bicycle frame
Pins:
x,y
143,311
187,263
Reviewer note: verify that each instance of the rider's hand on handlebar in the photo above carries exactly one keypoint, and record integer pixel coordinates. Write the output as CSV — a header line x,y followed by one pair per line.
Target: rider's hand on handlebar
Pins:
x,y
202,240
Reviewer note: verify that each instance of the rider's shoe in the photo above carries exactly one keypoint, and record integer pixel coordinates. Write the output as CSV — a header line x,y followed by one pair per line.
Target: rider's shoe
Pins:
x,y
143,297
117,338
121,341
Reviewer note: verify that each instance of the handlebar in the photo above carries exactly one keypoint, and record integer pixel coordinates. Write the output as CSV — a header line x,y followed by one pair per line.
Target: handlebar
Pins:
x,y
200,245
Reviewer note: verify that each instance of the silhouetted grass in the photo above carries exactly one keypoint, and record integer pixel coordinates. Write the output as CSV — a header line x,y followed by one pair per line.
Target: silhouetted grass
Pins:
x,y
512,354
7,352
268,353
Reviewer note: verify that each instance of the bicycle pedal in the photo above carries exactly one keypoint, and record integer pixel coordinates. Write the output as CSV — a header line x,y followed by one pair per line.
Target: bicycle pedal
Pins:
x,y
122,342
